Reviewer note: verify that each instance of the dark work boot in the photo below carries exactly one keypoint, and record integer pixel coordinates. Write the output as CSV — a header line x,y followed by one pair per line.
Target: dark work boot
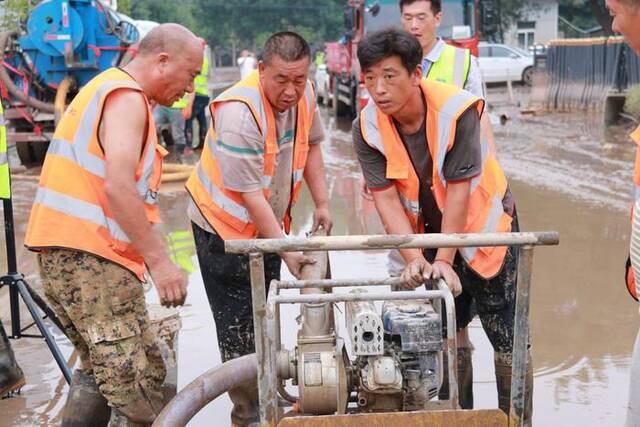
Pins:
x,y
465,379
503,383
85,404
11,376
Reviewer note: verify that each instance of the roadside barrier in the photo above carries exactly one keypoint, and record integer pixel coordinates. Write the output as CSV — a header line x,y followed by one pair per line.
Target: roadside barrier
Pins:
x,y
582,73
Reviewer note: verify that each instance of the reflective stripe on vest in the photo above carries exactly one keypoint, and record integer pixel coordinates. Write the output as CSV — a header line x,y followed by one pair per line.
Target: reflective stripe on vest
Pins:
x,y
224,209
452,67
72,187
635,136
5,179
445,104
80,209
218,197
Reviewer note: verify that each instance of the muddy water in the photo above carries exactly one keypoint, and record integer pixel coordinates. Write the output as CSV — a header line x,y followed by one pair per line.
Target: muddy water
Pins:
x,y
567,174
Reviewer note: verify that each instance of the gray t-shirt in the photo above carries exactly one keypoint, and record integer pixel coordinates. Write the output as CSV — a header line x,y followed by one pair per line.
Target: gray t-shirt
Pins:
x,y
463,161
241,158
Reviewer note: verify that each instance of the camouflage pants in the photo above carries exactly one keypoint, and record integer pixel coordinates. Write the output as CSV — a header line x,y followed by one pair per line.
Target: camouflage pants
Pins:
x,y
104,314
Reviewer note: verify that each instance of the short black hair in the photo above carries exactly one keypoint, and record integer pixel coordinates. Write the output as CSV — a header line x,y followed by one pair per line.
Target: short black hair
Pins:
x,y
288,45
436,5
390,42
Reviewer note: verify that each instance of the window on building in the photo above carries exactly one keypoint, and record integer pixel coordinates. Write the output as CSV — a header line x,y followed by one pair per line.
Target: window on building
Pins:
x,y
526,31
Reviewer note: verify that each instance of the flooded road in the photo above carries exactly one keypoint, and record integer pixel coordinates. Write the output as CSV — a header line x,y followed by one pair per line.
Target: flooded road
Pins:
x,y
567,174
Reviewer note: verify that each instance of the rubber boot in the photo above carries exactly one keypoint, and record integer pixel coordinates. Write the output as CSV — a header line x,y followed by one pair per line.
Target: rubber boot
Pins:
x,y
465,379
11,376
85,404
503,383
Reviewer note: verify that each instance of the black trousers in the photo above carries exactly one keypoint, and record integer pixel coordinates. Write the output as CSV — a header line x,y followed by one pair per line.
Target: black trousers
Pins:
x,y
199,113
494,300
228,286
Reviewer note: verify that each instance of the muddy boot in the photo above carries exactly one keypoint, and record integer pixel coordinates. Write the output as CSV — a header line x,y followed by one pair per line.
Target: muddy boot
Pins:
x,y
465,379
11,376
503,383
245,405
85,404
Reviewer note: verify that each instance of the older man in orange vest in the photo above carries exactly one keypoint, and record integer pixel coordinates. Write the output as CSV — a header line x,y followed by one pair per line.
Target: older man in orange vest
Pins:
x,y
263,141
418,142
626,20
92,223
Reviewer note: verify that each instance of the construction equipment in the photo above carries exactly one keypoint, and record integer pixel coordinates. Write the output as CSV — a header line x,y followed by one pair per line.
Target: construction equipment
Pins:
x,y
463,22
64,44
395,360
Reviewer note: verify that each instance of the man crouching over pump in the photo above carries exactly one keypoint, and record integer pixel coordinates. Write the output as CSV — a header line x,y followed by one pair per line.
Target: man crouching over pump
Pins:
x,y
418,143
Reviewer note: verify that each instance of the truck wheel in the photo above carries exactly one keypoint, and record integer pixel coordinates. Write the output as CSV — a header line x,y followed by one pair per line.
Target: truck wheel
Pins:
x,y
527,76
31,153
340,109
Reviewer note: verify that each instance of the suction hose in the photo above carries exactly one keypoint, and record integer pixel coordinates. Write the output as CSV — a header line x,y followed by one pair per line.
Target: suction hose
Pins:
x,y
46,107
61,98
175,172
206,388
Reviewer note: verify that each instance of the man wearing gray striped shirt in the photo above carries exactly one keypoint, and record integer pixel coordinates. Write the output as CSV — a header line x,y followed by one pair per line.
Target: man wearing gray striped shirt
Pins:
x,y
234,184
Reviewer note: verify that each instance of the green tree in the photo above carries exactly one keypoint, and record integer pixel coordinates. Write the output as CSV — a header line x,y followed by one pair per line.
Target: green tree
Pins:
x,y
245,22
15,12
164,11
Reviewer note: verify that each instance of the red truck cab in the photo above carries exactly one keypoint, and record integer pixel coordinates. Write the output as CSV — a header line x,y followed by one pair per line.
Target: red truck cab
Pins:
x,y
347,94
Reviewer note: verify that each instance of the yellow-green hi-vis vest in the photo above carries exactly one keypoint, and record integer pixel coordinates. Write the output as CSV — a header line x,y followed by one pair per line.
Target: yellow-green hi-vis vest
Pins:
x,y
452,67
5,179
200,82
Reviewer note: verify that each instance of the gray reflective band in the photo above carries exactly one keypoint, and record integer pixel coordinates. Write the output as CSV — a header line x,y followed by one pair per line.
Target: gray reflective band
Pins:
x,y
409,205
459,67
370,131
637,197
78,152
219,198
253,96
297,175
308,93
79,209
147,169
3,158
2,121
85,160
496,212
445,123
266,181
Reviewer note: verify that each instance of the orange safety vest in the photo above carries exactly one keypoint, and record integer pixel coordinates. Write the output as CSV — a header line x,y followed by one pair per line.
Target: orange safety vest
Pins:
x,y
629,275
445,104
224,209
71,208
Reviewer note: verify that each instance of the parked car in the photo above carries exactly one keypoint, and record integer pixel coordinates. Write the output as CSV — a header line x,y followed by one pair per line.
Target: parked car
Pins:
x,y
499,63
322,81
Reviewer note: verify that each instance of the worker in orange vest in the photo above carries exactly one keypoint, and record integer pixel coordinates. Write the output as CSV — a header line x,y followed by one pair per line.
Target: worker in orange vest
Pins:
x,y
264,140
92,226
418,143
626,21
